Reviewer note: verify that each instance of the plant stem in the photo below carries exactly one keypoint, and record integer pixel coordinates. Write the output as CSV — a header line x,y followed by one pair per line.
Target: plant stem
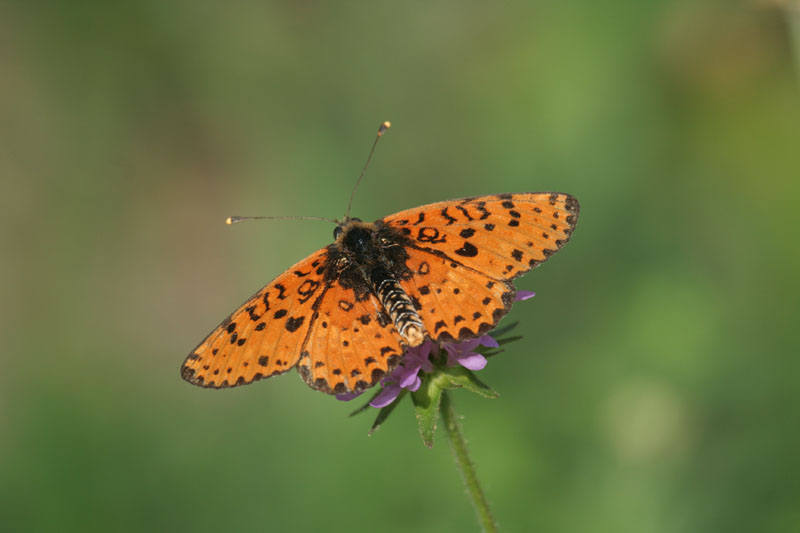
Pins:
x,y
459,448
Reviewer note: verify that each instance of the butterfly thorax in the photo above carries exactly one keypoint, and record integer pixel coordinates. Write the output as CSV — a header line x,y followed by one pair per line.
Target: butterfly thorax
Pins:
x,y
371,260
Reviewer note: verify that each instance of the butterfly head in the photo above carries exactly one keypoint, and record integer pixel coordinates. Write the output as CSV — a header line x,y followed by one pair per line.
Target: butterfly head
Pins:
x,y
355,236
342,226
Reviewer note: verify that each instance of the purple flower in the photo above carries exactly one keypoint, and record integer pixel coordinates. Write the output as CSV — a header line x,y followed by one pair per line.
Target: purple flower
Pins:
x,y
524,295
406,376
463,353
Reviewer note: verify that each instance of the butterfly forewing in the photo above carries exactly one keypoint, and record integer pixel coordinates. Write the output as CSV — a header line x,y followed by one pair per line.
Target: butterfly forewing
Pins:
x,y
265,335
501,236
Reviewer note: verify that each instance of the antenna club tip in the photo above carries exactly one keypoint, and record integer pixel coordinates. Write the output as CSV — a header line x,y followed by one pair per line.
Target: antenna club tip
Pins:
x,y
385,126
229,221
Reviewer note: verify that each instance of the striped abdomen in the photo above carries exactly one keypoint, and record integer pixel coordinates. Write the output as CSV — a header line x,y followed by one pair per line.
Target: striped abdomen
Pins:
x,y
399,306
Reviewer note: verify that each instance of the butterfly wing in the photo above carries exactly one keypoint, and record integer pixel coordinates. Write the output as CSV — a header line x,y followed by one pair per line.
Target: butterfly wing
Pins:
x,y
265,335
464,254
351,345
455,303
502,236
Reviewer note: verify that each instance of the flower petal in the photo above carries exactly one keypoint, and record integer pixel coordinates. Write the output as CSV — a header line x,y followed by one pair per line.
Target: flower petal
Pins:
x,y
408,377
387,396
472,361
489,342
347,396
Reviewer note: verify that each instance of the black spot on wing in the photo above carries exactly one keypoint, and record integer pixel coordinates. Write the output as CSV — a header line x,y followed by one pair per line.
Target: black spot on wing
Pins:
x,y
464,212
427,234
294,323
446,215
281,291
467,250
481,206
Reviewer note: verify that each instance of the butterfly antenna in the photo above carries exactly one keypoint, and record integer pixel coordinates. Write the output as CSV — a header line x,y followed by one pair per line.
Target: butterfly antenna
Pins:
x,y
383,127
234,220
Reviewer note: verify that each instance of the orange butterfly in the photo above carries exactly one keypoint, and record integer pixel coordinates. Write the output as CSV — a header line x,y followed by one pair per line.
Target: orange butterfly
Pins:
x,y
345,315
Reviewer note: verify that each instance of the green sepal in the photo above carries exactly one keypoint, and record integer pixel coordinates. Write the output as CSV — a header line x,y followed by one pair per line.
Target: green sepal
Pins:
x,y
367,405
508,339
426,408
455,377
384,413
499,332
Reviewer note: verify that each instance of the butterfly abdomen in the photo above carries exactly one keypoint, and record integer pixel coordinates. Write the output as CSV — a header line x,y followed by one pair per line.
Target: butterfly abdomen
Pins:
x,y
399,306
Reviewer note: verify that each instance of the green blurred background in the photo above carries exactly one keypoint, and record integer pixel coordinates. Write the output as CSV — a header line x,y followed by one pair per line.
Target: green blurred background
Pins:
x,y
656,389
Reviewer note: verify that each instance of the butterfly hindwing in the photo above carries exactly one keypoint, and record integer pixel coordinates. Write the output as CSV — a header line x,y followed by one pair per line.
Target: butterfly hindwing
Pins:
x,y
501,236
264,336
351,345
455,302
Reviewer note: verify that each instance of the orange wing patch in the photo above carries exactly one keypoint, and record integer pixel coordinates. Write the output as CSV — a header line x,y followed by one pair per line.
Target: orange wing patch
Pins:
x,y
265,335
351,345
455,302
501,236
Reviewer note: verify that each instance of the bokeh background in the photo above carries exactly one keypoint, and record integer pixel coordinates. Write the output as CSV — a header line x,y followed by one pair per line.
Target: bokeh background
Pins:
x,y
656,389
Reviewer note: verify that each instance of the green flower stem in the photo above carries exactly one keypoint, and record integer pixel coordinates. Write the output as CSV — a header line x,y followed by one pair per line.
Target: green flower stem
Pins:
x,y
459,447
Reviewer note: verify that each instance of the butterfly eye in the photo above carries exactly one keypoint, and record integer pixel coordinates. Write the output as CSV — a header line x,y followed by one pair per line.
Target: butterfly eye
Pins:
x,y
336,232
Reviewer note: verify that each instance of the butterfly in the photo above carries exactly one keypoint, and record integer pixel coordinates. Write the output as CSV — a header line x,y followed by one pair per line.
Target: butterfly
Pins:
x,y
344,315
